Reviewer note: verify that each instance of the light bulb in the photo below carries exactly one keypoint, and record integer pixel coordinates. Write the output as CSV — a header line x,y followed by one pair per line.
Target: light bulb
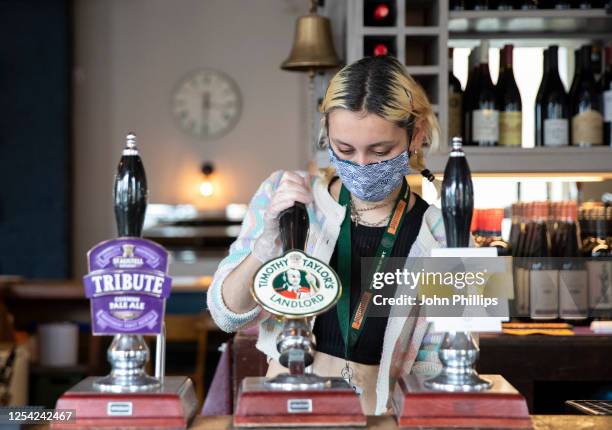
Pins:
x,y
206,188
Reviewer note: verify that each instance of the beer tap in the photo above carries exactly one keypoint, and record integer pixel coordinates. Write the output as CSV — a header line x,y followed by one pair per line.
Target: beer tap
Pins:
x,y
295,287
295,343
458,351
129,353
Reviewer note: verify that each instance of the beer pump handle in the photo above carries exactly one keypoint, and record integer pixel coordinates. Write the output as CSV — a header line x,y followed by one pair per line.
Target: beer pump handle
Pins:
x,y
130,191
457,195
293,225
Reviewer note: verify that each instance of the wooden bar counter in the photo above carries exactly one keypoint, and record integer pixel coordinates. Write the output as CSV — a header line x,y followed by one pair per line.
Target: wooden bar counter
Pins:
x,y
540,422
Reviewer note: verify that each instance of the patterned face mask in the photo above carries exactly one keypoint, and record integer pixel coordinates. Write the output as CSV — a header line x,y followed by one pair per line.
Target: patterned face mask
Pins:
x,y
371,182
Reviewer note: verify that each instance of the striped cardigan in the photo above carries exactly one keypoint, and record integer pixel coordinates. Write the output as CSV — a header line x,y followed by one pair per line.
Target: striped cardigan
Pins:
x,y
408,344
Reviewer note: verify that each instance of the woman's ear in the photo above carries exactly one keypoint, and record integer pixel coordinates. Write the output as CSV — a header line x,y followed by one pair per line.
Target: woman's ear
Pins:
x,y
323,140
418,137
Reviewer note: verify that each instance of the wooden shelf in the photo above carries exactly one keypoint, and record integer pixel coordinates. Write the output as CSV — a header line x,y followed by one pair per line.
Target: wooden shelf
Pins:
x,y
420,38
423,70
380,31
505,160
541,23
421,31
400,31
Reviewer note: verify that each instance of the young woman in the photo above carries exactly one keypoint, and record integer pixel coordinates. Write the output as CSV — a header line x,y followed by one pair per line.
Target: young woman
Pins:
x,y
375,119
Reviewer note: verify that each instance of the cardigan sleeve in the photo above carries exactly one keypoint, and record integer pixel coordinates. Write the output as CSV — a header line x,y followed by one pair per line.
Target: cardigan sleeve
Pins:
x,y
251,229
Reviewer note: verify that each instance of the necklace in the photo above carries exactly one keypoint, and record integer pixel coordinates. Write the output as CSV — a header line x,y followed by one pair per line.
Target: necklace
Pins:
x,y
370,208
356,215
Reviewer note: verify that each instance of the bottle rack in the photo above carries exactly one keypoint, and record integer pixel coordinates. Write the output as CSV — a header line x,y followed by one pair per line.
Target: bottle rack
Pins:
x,y
422,33
420,39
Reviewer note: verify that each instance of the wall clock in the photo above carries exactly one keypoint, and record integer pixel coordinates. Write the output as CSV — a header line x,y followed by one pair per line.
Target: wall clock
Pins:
x,y
207,104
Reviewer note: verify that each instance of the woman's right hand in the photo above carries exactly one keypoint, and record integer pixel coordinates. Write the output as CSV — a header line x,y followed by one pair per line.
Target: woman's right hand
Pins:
x,y
292,188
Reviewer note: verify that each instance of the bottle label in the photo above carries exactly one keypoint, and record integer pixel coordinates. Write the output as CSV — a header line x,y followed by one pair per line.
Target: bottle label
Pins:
x,y
485,125
454,114
556,132
587,128
607,98
573,296
600,285
525,289
522,291
510,128
544,293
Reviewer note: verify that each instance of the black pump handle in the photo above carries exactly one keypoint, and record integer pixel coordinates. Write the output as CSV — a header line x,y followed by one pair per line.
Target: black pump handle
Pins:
x,y
293,224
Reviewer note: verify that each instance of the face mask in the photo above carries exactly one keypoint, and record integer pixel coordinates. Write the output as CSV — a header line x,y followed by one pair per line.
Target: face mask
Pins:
x,y
371,182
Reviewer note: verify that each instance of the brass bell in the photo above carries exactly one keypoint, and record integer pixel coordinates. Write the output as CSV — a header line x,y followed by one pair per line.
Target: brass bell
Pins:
x,y
313,47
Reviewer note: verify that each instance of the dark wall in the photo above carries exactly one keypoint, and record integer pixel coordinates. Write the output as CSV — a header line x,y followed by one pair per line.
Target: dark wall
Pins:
x,y
35,171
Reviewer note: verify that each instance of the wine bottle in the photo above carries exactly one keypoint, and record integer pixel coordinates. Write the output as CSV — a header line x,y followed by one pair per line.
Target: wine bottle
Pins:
x,y
554,4
587,228
489,230
543,276
599,266
539,141
468,96
555,227
379,13
455,100
606,90
379,45
130,191
576,77
515,227
457,5
562,5
521,268
573,280
529,4
484,109
587,120
509,102
552,105
481,5
596,60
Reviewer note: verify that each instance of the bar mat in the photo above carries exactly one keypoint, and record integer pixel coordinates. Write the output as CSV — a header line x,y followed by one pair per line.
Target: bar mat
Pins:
x,y
550,329
525,332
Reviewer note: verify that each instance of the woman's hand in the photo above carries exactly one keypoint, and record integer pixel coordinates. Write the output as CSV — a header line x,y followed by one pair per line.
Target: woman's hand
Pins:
x,y
292,188
236,288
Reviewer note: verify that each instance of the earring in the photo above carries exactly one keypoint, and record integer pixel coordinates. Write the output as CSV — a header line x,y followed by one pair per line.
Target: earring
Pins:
x,y
322,140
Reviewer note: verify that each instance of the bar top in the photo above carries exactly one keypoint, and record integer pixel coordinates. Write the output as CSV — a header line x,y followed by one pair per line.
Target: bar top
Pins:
x,y
540,422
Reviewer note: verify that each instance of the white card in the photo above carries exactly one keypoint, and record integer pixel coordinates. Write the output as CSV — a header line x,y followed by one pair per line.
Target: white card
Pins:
x,y
471,324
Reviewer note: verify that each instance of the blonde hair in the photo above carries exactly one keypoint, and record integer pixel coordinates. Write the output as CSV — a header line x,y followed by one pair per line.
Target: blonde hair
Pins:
x,y
381,85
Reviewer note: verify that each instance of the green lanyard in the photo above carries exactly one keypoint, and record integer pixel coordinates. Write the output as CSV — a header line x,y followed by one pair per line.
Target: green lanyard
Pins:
x,y
352,331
